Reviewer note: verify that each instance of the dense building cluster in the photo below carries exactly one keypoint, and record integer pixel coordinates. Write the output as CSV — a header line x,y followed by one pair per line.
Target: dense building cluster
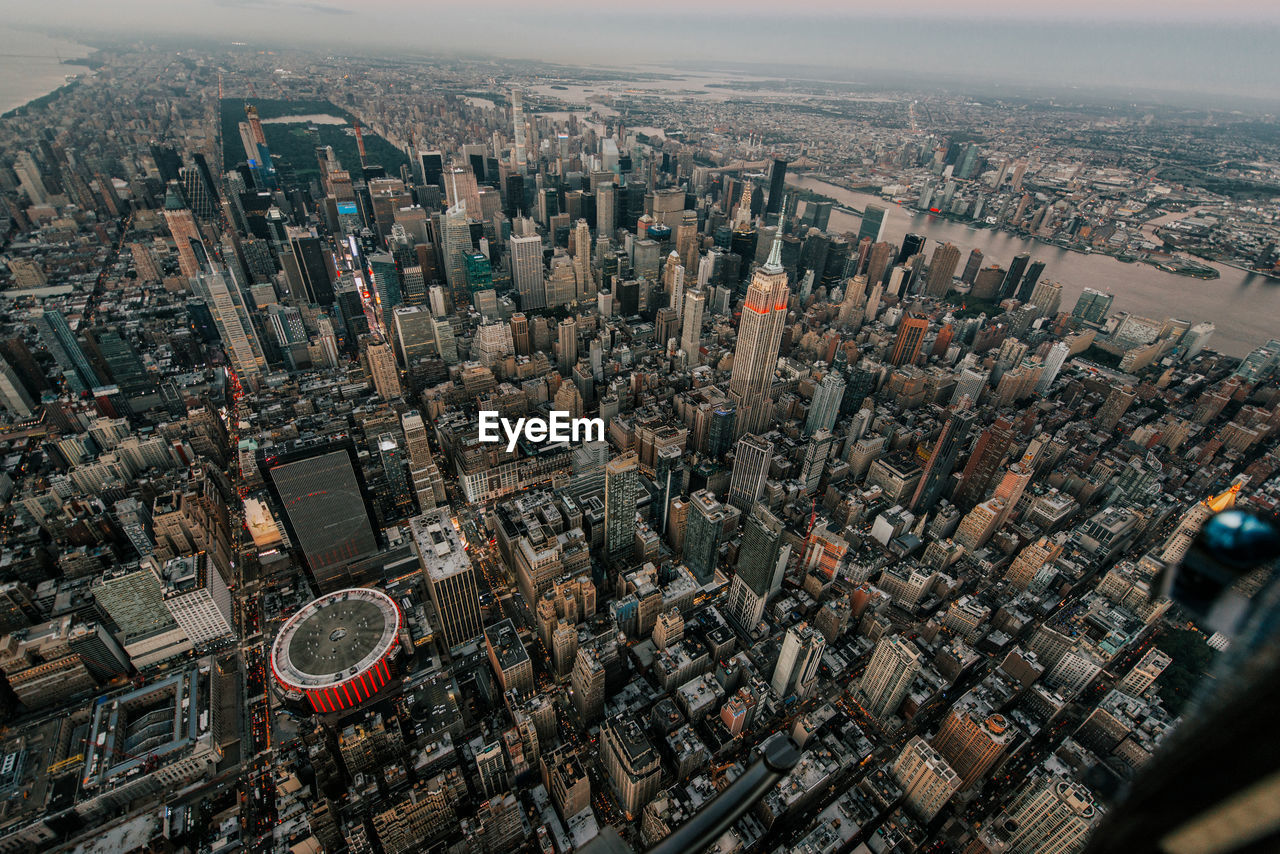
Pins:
x,y
264,584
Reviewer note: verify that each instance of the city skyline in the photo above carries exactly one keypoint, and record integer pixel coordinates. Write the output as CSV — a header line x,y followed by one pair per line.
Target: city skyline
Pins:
x,y
1096,49
930,501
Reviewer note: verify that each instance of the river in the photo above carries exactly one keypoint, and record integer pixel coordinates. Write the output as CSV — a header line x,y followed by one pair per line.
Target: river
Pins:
x,y
1243,307
31,66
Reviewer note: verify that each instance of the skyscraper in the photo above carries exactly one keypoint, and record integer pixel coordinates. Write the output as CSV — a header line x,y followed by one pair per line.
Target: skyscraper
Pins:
x,y
1115,406
927,781
424,474
1029,280
385,286
526,270
953,439
1047,298
621,487
709,524
872,223
973,739
568,341
777,187
691,330
983,462
1030,560
29,178
313,267
758,558
432,163
383,370
942,269
519,154
971,267
877,262
761,546
1093,306
912,244
1050,815
1012,278
888,676
673,283
755,358
1144,673
61,342
825,406
606,210
13,395
631,761
231,316
135,603
451,578
185,232
906,348
668,475
751,459
797,667
490,766
582,261
1052,365
326,508
1179,542
456,243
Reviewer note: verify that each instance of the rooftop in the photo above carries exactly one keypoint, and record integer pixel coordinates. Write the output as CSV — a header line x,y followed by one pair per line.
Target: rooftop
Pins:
x,y
342,631
439,544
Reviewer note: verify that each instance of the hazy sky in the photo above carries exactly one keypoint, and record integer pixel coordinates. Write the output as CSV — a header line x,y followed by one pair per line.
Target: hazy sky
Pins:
x,y
1223,46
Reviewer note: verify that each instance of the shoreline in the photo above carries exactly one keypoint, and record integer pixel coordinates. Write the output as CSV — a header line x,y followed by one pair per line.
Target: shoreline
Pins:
x,y
40,100
68,58
1187,269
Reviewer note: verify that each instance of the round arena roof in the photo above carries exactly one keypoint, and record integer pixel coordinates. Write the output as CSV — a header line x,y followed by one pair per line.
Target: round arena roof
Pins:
x,y
335,638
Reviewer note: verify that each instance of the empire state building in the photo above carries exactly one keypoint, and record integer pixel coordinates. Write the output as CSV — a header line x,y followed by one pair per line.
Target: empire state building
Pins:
x,y
759,337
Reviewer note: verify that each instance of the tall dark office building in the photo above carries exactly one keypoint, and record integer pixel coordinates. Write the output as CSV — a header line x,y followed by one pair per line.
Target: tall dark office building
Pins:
x,y
206,175
327,509
1029,281
777,187
199,195
761,543
432,167
720,432
971,267
62,343
354,321
818,214
983,462
1017,267
386,283
872,223
858,384
477,162
946,450
314,269
515,196
708,524
668,475
912,244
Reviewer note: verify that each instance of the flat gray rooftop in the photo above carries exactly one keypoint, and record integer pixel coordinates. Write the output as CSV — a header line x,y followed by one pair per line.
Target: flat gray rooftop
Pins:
x,y
336,637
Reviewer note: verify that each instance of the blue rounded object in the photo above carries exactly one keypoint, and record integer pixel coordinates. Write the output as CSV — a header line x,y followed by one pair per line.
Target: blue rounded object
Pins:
x,y
1240,538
